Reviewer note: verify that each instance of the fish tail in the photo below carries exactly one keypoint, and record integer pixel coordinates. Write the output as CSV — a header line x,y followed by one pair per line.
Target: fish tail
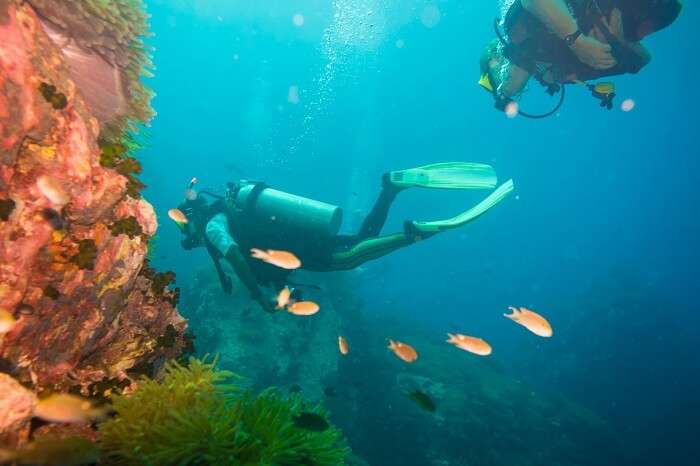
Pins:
x,y
257,253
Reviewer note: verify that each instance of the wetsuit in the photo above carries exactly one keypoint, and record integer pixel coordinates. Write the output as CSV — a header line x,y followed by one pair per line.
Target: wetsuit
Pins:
x,y
533,47
229,228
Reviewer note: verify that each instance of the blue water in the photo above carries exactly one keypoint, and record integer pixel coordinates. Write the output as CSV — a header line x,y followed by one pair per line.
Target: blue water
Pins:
x,y
604,217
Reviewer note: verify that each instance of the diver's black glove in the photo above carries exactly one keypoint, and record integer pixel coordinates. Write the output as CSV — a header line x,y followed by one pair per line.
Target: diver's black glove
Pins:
x,y
267,305
501,101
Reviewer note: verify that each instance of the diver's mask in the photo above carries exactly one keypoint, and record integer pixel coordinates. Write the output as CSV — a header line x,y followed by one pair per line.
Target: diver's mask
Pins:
x,y
487,83
196,212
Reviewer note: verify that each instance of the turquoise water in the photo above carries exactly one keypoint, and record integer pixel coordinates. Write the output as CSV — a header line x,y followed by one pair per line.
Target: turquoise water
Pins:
x,y
320,98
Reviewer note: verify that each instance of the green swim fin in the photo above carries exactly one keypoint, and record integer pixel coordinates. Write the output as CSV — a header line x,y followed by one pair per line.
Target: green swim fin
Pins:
x,y
448,175
466,216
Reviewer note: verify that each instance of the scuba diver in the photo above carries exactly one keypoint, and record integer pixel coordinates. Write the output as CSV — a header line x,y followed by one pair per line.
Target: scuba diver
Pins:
x,y
253,215
561,42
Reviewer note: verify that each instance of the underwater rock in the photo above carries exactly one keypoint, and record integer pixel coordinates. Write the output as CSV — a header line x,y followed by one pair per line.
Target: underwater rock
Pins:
x,y
279,349
100,316
16,405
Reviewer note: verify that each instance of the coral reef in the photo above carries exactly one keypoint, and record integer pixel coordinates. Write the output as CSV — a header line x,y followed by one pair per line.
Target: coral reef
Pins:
x,y
192,415
73,233
113,30
16,406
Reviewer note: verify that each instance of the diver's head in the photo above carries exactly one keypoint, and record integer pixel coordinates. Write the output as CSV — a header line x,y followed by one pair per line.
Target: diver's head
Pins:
x,y
490,64
645,17
196,211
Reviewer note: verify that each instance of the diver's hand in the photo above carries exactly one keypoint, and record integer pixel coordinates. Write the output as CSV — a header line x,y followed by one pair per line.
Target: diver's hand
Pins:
x,y
593,52
266,304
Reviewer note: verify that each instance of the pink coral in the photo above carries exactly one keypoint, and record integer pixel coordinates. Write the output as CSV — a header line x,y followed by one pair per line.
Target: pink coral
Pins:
x,y
102,316
16,404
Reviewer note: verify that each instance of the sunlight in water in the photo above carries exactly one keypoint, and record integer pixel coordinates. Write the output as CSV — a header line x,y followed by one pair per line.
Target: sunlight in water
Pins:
x,y
357,27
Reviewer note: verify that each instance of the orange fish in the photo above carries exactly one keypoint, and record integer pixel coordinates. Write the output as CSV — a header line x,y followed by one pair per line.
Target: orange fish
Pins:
x,y
303,308
63,407
471,344
177,216
7,321
403,351
343,346
281,259
283,298
52,190
531,321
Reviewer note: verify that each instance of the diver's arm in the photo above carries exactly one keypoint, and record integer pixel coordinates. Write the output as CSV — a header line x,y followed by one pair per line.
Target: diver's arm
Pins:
x,y
515,81
242,269
219,237
224,279
642,51
556,16
245,274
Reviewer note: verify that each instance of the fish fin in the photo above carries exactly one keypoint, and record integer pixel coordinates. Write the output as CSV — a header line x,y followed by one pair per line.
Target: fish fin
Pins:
x,y
257,253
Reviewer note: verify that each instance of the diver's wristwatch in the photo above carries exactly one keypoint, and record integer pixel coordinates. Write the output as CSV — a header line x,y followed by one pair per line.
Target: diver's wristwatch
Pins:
x,y
571,38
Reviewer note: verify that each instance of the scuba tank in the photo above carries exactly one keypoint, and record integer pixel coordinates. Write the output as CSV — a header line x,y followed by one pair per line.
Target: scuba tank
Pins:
x,y
272,213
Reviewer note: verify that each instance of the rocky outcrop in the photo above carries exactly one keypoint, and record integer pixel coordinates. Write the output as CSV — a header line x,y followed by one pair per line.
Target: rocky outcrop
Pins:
x,y
292,352
73,230
16,405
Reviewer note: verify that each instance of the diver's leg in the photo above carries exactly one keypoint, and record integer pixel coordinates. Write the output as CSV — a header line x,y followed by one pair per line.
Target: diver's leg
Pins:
x,y
376,218
367,250
345,255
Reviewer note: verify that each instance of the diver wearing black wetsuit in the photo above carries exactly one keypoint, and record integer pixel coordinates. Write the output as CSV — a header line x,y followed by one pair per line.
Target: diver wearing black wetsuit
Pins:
x,y
252,215
532,48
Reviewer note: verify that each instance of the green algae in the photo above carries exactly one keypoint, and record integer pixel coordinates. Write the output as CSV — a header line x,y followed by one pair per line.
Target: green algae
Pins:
x,y
6,208
119,157
50,450
87,253
127,226
160,281
134,187
193,415
126,20
57,99
152,246
51,292
168,339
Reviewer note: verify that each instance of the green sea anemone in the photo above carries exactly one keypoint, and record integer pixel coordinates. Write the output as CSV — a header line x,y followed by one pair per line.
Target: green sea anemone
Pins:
x,y
192,416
